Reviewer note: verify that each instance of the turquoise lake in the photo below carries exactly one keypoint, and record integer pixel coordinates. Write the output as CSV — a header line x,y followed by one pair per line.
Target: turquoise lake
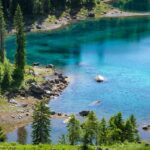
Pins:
x,y
116,48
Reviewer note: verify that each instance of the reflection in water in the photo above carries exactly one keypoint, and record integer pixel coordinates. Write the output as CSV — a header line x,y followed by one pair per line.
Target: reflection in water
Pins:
x,y
52,45
22,135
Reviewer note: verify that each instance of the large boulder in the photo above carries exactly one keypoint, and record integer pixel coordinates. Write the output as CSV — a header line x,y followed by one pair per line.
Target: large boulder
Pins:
x,y
38,26
99,78
84,113
37,89
12,101
91,14
147,127
36,64
50,66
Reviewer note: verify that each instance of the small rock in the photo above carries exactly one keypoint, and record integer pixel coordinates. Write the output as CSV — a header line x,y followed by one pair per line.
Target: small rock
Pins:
x,y
48,92
36,64
50,66
147,127
12,116
56,73
12,101
74,17
91,14
20,116
24,105
59,114
84,113
38,26
27,114
53,113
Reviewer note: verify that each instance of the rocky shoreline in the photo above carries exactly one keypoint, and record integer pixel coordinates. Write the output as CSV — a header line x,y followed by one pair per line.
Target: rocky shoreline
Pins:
x,y
63,22
42,25
18,106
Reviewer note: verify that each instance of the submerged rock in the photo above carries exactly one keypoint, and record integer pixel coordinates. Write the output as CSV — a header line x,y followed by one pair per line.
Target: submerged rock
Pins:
x,y
95,103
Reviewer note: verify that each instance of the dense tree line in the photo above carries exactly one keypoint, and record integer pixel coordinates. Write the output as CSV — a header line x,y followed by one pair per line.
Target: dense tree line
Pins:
x,y
90,132
95,132
137,5
36,7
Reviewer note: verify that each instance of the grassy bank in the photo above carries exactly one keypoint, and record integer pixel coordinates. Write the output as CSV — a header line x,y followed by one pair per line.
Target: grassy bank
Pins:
x,y
14,146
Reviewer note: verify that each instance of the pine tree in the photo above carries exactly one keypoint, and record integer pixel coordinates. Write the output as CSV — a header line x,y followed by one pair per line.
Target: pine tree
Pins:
x,y
41,123
102,132
113,131
128,133
119,123
2,136
90,128
20,54
2,34
6,80
134,127
74,131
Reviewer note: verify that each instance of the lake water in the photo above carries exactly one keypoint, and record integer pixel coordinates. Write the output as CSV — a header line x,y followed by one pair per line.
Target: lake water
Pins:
x,y
117,48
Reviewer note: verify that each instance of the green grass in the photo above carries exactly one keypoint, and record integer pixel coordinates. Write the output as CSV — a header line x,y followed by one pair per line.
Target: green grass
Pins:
x,y
101,8
127,146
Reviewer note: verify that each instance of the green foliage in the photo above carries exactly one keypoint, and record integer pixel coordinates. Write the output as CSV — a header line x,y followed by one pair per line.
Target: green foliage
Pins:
x,y
19,26
74,130
90,127
20,53
2,135
93,132
125,146
102,132
7,71
40,7
6,79
41,123
2,35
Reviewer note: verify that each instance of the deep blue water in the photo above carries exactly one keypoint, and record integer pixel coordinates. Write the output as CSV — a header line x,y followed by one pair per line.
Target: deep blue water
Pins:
x,y
117,48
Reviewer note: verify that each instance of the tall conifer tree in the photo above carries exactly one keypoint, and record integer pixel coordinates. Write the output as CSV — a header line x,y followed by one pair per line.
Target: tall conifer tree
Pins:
x,y
2,34
41,124
20,40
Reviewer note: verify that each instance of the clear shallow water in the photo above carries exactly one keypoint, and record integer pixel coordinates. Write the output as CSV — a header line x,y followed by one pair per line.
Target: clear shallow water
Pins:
x,y
118,49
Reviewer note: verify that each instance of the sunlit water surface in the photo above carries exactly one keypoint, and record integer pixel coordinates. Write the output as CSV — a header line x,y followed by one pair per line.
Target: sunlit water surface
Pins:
x,y
118,49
